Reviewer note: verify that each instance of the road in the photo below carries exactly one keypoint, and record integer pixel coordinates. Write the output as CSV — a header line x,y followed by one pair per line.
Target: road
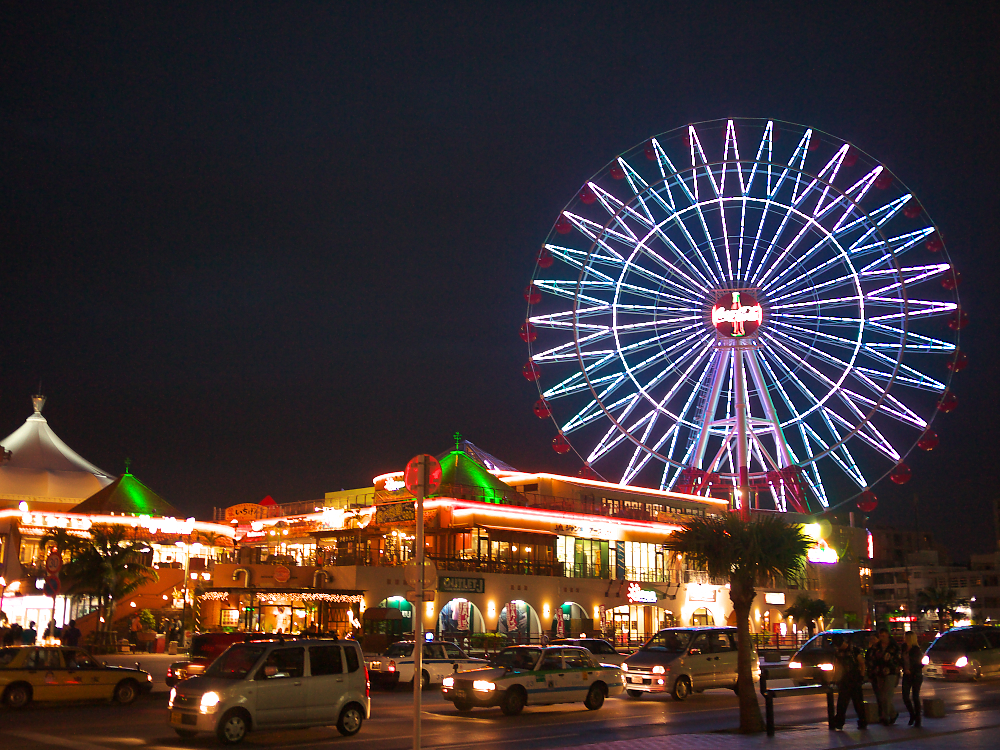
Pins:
x,y
142,725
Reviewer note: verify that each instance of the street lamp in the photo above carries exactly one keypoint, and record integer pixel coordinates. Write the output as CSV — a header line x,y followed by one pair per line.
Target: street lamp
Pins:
x,y
3,589
187,564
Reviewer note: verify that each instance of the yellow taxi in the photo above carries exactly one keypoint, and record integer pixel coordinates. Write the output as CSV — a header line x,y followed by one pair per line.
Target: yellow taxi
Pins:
x,y
65,673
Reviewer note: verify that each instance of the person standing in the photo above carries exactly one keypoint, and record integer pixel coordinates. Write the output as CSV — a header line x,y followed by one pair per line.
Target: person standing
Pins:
x,y
913,676
851,668
71,634
884,662
29,635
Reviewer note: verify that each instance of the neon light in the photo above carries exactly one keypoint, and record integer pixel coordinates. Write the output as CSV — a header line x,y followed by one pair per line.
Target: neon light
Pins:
x,y
638,595
736,318
153,524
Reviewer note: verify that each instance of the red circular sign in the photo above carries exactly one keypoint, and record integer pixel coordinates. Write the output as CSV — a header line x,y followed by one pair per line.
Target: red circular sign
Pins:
x,y
53,562
282,574
737,315
432,480
51,586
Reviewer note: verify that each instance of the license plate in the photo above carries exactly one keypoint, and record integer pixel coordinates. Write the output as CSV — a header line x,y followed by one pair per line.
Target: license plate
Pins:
x,y
175,717
460,694
635,680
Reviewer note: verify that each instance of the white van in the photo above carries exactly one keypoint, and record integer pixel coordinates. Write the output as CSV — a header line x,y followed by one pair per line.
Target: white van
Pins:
x,y
267,685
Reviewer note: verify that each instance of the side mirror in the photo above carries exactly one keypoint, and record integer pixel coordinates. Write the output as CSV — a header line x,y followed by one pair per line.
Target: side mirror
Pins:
x,y
454,667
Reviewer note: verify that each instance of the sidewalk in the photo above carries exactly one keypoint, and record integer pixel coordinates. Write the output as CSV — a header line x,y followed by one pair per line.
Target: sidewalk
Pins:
x,y
966,730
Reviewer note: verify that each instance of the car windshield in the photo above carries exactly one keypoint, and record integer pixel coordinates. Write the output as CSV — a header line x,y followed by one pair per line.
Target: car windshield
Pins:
x,y
399,649
671,641
518,658
236,662
959,642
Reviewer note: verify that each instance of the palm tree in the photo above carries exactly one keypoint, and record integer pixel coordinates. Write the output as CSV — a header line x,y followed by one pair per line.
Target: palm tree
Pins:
x,y
809,611
943,601
109,567
743,551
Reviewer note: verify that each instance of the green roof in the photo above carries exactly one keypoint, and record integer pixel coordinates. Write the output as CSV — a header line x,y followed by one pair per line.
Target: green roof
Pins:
x,y
464,477
127,495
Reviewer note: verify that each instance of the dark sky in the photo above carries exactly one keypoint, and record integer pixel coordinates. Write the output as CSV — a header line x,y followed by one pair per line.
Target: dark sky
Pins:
x,y
278,249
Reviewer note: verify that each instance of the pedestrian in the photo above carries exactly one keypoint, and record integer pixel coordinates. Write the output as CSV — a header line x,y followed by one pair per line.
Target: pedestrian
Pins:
x,y
134,630
29,635
883,661
71,635
851,678
913,676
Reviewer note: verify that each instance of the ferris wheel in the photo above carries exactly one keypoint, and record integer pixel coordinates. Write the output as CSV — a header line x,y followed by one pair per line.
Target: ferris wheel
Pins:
x,y
746,309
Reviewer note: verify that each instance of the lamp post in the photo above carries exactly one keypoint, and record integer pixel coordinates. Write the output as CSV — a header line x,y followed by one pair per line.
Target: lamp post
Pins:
x,y
3,590
184,601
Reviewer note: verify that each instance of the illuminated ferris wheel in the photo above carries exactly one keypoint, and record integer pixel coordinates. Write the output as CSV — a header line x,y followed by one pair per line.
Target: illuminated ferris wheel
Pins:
x,y
745,309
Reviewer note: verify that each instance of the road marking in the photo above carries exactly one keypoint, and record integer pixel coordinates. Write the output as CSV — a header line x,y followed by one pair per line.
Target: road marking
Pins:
x,y
48,739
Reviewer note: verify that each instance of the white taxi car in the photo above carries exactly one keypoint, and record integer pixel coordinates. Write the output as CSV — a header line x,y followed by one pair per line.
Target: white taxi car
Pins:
x,y
530,675
440,659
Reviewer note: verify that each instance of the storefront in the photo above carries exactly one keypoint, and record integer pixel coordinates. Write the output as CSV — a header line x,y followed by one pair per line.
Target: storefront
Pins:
x,y
282,610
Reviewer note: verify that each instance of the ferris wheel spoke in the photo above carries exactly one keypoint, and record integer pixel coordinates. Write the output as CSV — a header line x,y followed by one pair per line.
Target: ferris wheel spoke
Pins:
x,y
601,234
882,215
917,308
618,210
867,433
908,276
840,454
813,292
899,244
686,292
584,258
564,319
701,285
829,174
642,190
922,342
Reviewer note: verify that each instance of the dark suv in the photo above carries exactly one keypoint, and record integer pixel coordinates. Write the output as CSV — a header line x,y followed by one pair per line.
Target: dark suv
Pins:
x,y
815,663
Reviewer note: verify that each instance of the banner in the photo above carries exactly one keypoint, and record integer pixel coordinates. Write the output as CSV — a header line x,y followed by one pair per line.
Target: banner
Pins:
x,y
511,616
463,615
560,625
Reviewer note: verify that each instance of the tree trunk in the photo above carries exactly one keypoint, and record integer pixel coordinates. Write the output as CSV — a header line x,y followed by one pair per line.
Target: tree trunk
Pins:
x,y
742,596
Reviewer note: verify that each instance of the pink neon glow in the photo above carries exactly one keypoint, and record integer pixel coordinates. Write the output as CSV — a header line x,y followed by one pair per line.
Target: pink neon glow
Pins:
x,y
512,478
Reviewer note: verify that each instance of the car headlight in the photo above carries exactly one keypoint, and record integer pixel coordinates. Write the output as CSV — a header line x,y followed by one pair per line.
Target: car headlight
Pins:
x,y
795,665
483,686
448,682
826,667
624,667
210,702
926,660
658,669
149,678
961,661
173,694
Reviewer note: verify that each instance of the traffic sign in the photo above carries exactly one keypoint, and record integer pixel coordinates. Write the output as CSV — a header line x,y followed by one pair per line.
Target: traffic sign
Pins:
x,y
53,562
422,475
51,587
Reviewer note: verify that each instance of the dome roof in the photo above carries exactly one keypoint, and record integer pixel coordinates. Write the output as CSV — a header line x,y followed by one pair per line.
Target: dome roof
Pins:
x,y
43,471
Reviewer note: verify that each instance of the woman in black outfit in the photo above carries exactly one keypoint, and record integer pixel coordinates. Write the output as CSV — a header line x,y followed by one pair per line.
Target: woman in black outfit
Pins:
x,y
913,676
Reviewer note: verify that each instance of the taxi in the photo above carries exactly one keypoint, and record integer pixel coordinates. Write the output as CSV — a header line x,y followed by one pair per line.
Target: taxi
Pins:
x,y
65,673
531,675
440,659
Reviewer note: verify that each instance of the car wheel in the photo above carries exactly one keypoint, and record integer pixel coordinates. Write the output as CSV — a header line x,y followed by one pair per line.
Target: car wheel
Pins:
x,y
634,693
186,734
233,727
595,698
463,706
513,701
17,696
977,673
682,689
126,692
425,680
351,719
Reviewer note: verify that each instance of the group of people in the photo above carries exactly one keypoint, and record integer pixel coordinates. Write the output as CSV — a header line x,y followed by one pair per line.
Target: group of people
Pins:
x,y
14,634
882,664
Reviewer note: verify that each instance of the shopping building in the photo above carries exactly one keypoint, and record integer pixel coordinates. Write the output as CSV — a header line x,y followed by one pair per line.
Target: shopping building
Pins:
x,y
527,555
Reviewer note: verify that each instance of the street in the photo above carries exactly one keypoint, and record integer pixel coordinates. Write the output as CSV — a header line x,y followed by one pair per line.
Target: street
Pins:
x,y
112,727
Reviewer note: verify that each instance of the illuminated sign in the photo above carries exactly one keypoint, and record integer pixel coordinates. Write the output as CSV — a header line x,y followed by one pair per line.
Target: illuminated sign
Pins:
x,y
637,595
245,512
774,597
699,592
391,485
822,553
737,314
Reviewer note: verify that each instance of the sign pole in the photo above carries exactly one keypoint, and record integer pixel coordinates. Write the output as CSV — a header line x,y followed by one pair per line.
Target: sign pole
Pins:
x,y
418,621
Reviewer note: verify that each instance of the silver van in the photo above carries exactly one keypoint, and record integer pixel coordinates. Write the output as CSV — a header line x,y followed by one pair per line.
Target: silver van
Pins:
x,y
680,661
964,653
267,685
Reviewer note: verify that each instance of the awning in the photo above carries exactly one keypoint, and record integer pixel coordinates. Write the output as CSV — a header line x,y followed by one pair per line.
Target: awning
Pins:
x,y
382,613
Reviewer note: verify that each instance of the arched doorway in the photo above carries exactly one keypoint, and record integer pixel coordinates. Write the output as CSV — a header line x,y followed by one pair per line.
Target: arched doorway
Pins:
x,y
574,620
636,623
702,618
522,626
460,618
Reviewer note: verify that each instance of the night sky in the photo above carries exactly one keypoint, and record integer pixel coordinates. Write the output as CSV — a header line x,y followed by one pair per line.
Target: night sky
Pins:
x,y
279,249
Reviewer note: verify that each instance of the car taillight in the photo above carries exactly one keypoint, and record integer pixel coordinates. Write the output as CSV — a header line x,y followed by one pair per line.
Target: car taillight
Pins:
x,y
392,666
368,684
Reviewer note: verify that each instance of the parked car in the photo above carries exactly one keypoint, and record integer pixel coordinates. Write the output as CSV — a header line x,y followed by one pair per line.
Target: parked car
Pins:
x,y
814,662
63,673
599,647
277,684
965,653
529,675
681,660
205,648
440,659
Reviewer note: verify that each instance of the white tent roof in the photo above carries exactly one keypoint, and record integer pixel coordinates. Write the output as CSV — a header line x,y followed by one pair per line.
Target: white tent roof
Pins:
x,y
44,471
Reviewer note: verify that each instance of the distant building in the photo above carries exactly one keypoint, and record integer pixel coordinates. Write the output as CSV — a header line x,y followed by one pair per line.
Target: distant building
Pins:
x,y
892,545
